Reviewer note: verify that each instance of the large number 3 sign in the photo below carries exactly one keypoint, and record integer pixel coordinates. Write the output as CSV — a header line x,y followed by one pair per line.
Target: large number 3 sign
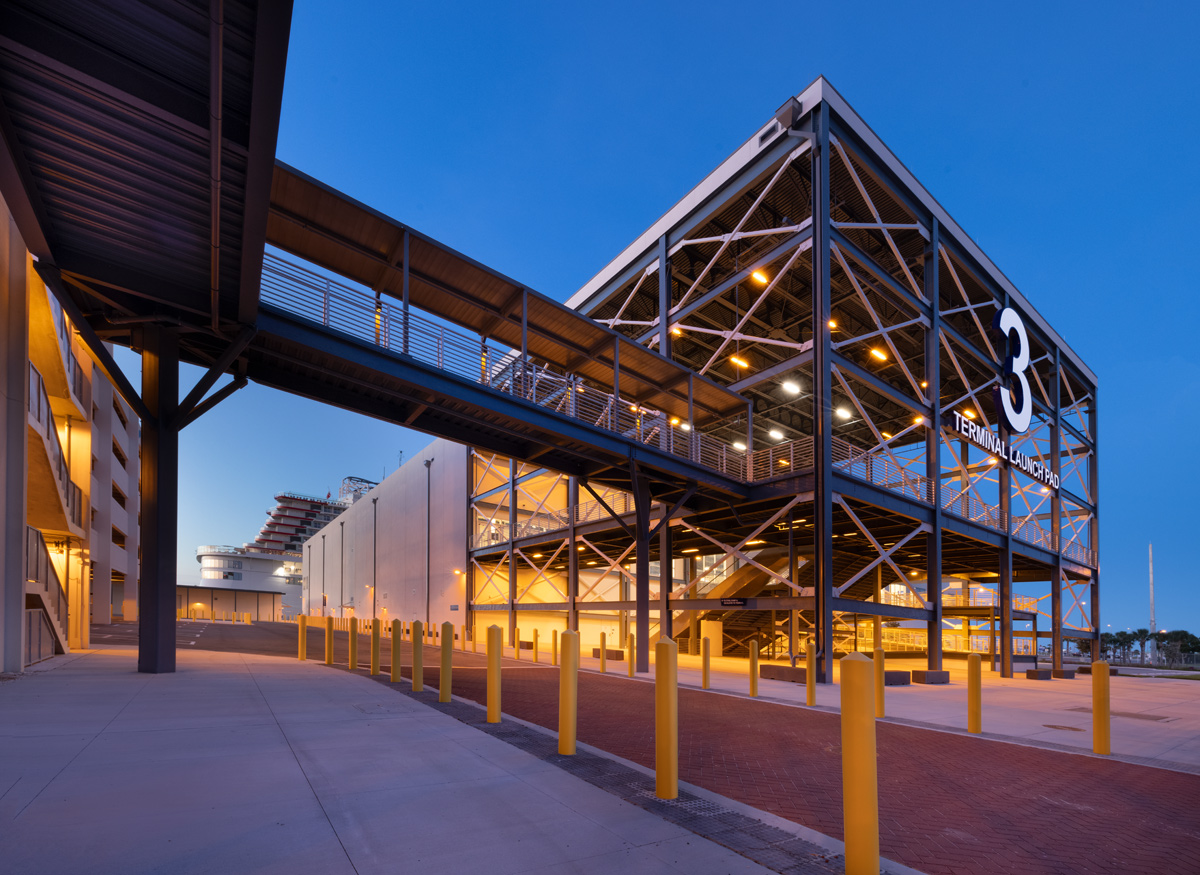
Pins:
x,y
1017,417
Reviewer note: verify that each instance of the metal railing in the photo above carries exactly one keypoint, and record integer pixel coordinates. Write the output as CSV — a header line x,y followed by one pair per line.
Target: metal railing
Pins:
x,y
500,368
40,576
357,313
39,408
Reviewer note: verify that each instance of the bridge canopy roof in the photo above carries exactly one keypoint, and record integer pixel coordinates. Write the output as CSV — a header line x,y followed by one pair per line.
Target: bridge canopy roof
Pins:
x,y
326,227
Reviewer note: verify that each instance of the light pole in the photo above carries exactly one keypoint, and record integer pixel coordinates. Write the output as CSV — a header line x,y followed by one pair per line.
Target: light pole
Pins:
x,y
342,570
428,525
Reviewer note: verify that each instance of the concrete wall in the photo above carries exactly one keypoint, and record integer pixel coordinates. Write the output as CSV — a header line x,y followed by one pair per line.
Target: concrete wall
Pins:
x,y
202,602
14,383
380,542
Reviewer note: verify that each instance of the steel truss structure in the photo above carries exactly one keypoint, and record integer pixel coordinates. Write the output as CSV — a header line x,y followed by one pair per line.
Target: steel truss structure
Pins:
x,y
814,275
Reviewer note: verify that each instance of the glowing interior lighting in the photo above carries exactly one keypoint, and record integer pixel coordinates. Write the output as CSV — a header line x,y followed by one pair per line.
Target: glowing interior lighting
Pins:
x,y
1045,490
783,463
633,408
592,562
537,555
738,445
912,573
918,420
691,550
776,434
739,361
886,435
674,420
759,276
879,354
991,460
833,323
791,388
580,549
924,384
842,413
969,414
685,426
676,331
459,570
754,543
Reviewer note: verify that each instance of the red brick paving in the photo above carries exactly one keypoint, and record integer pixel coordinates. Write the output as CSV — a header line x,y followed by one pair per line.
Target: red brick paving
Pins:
x,y
948,803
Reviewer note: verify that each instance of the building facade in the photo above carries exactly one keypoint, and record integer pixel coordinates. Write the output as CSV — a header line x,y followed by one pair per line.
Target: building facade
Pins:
x,y
71,472
918,446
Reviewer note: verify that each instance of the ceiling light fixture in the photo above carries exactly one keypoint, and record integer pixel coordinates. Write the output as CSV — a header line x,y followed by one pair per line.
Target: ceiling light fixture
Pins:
x,y
879,354
759,276
791,388
739,361
776,433
842,413
738,445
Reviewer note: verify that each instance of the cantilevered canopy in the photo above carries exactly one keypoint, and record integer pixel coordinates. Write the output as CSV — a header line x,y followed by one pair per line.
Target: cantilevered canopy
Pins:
x,y
325,227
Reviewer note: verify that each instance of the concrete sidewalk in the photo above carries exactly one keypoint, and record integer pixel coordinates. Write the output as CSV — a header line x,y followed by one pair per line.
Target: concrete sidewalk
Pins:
x,y
243,763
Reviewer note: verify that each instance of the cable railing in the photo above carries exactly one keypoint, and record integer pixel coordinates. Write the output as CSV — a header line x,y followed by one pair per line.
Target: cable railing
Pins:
x,y
380,321
503,369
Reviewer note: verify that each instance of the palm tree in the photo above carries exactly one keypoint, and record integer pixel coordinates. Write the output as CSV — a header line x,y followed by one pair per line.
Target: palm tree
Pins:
x,y
1123,640
1141,636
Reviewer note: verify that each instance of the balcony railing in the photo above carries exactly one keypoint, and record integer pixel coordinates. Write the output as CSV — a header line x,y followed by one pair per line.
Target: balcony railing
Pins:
x,y
40,576
41,412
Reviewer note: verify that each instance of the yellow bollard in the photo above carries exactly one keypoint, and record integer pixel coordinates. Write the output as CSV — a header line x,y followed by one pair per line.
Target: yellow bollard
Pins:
x,y
535,645
353,646
517,643
475,642
445,681
860,781
754,668
495,643
1101,716
603,653
666,720
303,630
397,637
464,638
418,656
704,661
974,695
880,667
630,647
554,647
810,672
329,640
568,693
375,635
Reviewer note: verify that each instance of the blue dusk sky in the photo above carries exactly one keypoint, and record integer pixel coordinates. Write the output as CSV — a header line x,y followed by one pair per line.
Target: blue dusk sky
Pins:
x,y
541,138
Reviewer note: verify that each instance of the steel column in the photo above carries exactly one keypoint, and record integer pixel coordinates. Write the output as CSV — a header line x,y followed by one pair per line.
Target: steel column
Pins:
x,y
664,297
822,398
512,553
572,556
1056,617
1094,472
665,578
933,452
641,513
159,501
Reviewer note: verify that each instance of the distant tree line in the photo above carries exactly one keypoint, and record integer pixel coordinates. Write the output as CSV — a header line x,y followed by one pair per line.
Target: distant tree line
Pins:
x,y
1172,646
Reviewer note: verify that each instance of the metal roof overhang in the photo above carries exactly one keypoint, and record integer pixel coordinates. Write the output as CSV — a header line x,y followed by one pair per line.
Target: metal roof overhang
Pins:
x,y
109,158
327,228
